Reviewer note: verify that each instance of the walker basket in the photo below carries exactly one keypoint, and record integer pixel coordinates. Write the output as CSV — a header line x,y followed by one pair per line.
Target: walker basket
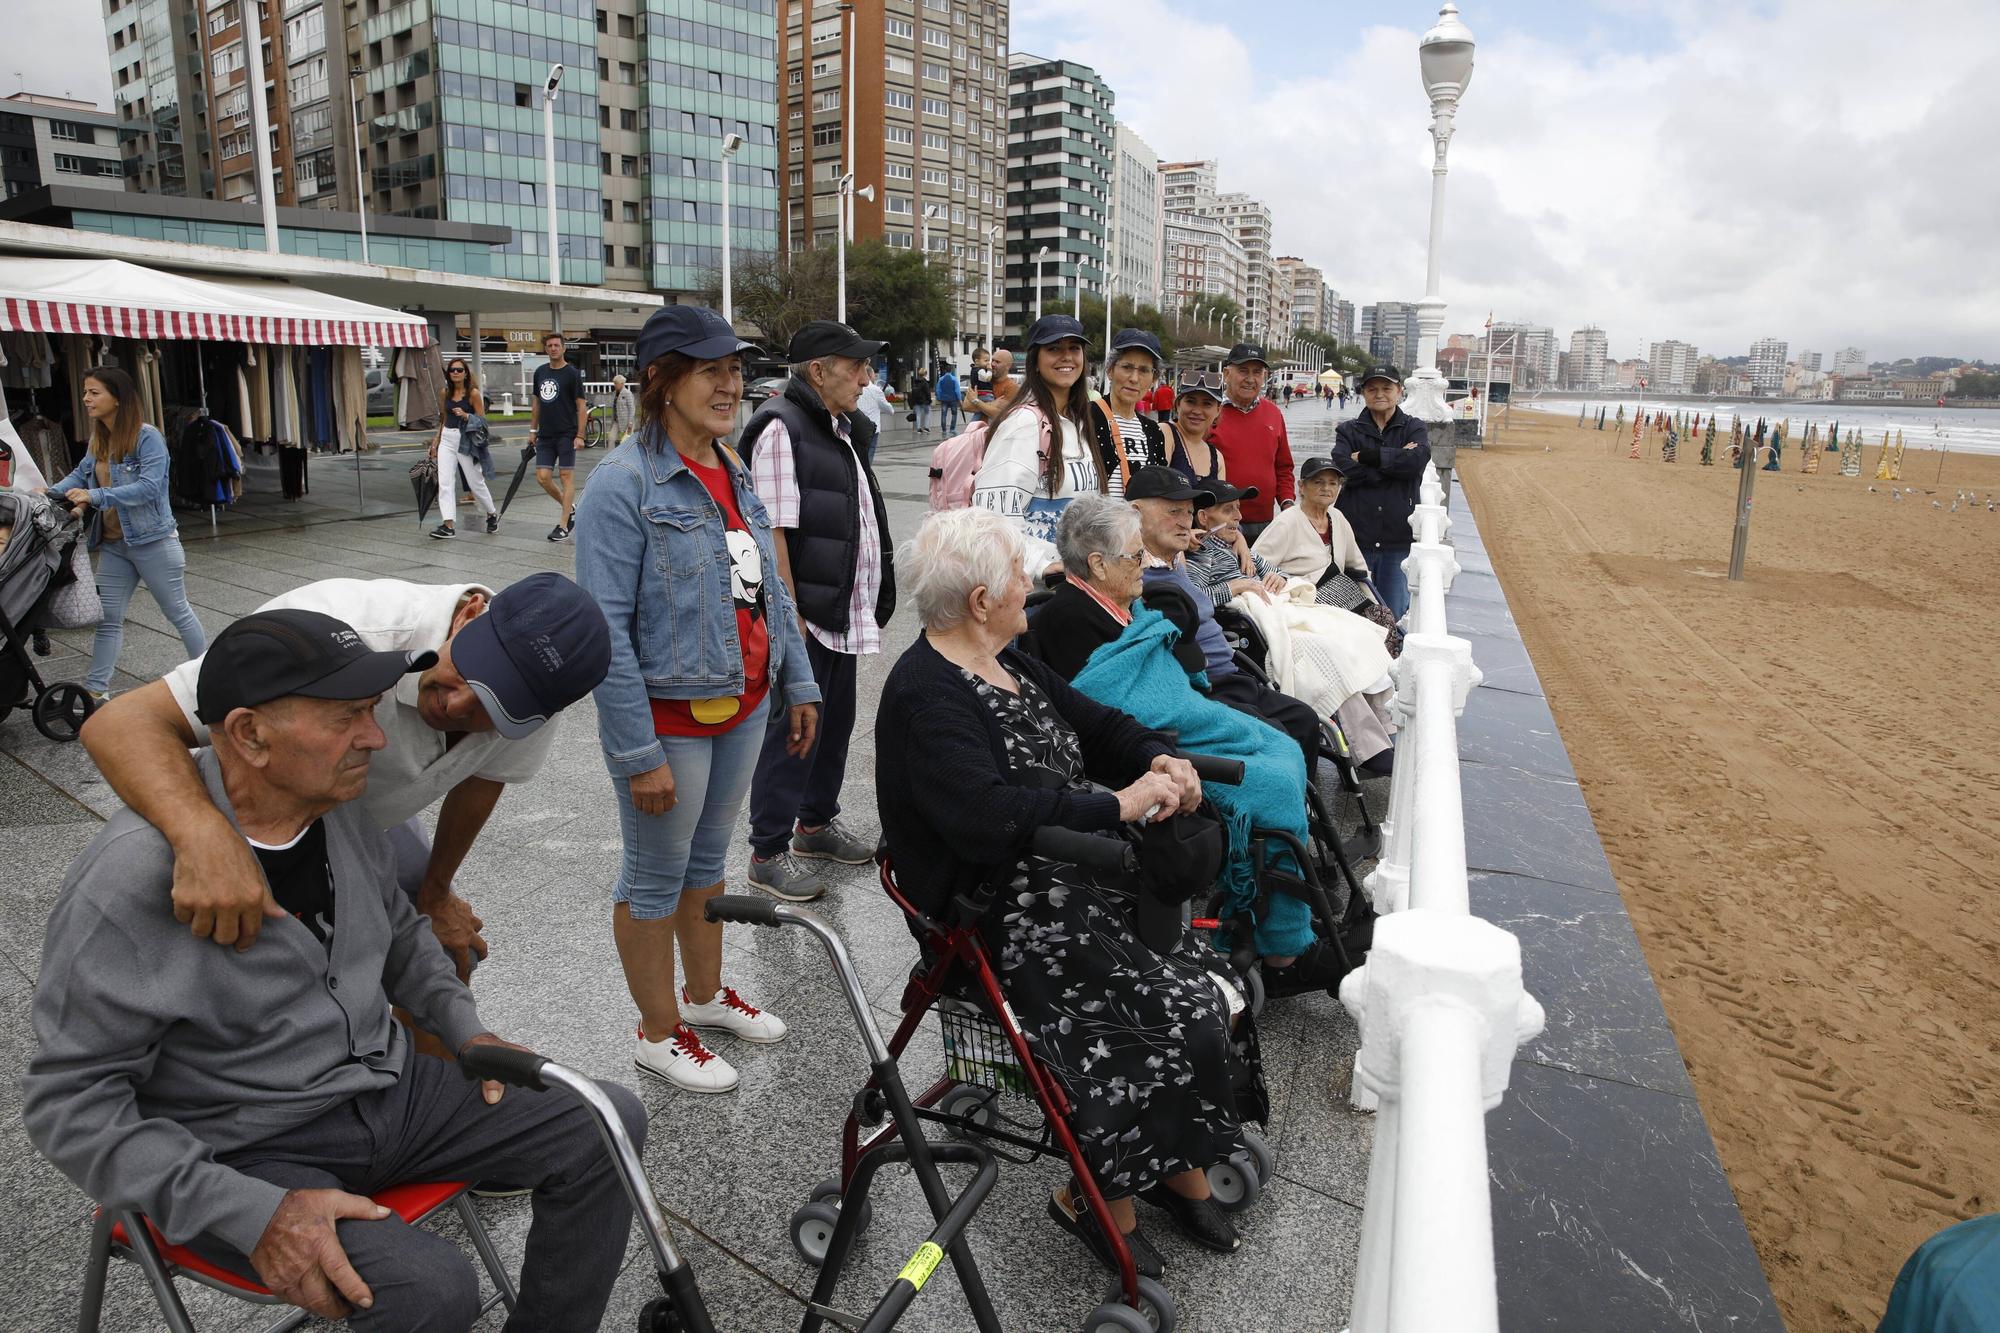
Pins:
x,y
977,1052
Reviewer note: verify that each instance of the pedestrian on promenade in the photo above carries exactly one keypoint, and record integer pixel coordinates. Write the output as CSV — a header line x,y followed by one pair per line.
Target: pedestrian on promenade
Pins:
x,y
1126,441
808,452
1000,387
1383,452
624,409
1196,408
1250,434
950,395
1161,401
872,404
556,414
1038,451
122,480
246,1104
702,639
920,401
461,402
480,718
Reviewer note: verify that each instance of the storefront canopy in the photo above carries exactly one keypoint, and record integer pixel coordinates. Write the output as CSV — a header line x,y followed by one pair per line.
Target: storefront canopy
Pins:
x,y
112,298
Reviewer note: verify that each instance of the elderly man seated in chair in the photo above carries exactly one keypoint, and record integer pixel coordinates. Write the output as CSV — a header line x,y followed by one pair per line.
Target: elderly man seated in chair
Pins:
x,y
247,1103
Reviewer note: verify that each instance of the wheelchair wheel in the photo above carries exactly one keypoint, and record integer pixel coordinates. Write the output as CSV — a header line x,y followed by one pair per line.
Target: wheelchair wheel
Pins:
x,y
658,1316
1233,1183
1156,1312
812,1231
968,1103
828,1191
1253,982
1260,1153
61,710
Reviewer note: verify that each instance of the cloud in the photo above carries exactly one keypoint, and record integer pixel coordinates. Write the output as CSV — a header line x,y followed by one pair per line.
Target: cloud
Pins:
x,y
1802,170
60,51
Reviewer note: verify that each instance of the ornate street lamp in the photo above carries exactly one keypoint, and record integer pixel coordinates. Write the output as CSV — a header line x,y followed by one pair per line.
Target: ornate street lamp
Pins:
x,y
1445,54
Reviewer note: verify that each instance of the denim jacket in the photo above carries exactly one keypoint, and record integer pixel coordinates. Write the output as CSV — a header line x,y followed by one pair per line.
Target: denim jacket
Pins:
x,y
650,549
138,489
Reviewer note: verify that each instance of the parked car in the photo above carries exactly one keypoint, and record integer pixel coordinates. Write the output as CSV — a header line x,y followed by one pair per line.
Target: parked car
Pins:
x,y
760,391
381,393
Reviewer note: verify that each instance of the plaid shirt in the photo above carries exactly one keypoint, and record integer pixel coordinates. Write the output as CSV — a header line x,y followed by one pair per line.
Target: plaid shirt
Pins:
x,y
774,476
1213,564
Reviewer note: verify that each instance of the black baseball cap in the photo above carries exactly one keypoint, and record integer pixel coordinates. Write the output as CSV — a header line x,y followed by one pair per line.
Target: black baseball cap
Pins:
x,y
829,337
277,654
1222,493
541,646
691,330
1126,339
1164,483
1319,463
1244,352
1053,329
1382,373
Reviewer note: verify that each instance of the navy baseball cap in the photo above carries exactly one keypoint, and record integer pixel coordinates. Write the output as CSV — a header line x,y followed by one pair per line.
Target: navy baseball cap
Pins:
x,y
1127,339
277,654
1312,467
541,646
1246,352
691,330
1053,329
829,337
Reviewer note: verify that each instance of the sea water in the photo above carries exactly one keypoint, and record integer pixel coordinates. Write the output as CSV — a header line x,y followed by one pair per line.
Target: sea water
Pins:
x,y
1963,430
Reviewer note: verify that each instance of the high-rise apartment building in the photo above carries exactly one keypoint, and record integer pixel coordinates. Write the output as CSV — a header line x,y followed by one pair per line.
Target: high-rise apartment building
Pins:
x,y
1136,220
1187,187
1307,295
1340,317
1061,134
159,93
1850,362
1809,361
1535,352
929,126
1391,331
1265,299
1673,365
1588,348
57,141
1200,257
1767,365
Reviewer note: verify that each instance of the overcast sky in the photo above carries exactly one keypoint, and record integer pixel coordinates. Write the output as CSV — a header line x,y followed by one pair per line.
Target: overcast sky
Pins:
x,y
1820,172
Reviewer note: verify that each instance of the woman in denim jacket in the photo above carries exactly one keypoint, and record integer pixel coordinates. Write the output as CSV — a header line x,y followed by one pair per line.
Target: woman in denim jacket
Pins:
x,y
123,476
705,651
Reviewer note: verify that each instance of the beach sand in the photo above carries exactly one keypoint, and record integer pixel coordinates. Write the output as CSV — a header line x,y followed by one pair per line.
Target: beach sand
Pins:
x,y
1797,780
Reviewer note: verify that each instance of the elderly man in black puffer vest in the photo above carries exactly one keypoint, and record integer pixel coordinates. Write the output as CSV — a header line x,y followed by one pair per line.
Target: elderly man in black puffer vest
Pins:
x,y
808,451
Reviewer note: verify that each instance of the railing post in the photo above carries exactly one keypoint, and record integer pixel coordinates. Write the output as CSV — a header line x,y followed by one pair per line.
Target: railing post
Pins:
x,y
1441,1011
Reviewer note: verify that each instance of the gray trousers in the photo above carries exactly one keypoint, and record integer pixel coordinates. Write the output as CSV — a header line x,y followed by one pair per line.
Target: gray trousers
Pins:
x,y
433,1125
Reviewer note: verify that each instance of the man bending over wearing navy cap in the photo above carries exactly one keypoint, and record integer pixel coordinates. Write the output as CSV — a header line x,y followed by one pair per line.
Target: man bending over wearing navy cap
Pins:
x,y
481,717
246,1103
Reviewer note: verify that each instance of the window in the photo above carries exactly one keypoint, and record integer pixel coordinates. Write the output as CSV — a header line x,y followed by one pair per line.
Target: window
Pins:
x,y
625,25
827,100
627,72
935,72
898,204
936,142
933,106
628,120
604,116
604,164
798,77
826,30
822,68
603,68
631,256
958,185
898,98
607,210
68,163
603,21
937,37
896,64
932,176
826,134
898,134
896,171
628,165
797,177
898,28
69,131
228,60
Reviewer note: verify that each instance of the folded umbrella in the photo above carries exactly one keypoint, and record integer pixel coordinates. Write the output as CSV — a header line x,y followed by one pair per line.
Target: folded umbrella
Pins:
x,y
520,475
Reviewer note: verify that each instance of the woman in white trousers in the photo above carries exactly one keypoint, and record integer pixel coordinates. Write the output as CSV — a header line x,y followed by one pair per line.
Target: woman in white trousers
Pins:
x,y
461,400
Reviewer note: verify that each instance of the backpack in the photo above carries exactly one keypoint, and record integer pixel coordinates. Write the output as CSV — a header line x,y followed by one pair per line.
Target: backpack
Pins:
x,y
955,464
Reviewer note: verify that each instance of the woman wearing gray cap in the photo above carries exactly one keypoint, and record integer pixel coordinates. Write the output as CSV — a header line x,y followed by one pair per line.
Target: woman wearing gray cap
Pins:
x,y
1197,405
678,553
1126,441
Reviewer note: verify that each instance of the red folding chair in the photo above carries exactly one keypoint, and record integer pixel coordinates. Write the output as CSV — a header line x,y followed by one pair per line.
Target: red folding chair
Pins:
x,y
128,1235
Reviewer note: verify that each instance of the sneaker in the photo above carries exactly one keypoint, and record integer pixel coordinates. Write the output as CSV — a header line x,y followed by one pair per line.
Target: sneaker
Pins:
x,y
684,1062
572,521
558,533
443,532
729,1012
784,876
492,524
835,842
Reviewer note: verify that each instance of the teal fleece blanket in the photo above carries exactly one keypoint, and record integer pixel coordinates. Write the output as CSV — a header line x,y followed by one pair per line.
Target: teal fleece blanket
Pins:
x,y
1137,674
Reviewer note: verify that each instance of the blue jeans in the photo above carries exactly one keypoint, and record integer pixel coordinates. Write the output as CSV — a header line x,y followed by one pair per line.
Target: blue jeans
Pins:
x,y
950,419
686,847
923,411
119,570
1385,567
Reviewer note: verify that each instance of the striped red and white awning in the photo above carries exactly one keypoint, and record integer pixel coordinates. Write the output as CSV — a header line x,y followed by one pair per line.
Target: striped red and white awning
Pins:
x,y
114,299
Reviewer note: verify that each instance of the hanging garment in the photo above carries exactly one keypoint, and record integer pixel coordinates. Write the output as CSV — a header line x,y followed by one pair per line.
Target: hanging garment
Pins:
x,y
321,431
351,397
292,472
259,379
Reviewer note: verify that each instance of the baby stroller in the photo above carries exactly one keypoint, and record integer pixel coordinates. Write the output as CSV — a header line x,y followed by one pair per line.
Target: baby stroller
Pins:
x,y
34,565
990,1065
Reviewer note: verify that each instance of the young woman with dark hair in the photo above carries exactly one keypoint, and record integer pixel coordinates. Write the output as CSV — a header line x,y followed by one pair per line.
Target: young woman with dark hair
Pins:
x,y
123,481
1040,450
460,402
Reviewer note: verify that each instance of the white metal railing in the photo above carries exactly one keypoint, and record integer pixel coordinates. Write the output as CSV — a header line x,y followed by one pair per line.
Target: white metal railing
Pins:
x,y
1439,1002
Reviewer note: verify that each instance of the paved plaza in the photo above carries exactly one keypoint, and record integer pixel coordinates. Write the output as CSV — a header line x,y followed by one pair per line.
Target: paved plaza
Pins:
x,y
730,1170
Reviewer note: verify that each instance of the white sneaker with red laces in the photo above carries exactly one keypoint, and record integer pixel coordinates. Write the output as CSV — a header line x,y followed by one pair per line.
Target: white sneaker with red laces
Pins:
x,y
684,1062
728,1011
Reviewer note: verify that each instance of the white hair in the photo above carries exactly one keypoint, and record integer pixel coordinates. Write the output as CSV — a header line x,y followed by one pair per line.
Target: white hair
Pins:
x,y
1093,525
954,552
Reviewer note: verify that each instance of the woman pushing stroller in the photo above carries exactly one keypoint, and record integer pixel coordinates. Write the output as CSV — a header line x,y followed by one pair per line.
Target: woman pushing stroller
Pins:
x,y
978,747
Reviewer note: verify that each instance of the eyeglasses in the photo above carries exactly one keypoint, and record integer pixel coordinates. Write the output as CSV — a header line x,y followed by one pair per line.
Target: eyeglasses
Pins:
x,y
1125,558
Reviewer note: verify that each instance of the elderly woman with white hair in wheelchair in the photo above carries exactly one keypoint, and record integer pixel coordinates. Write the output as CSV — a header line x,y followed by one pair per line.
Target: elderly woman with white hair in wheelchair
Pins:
x,y
978,747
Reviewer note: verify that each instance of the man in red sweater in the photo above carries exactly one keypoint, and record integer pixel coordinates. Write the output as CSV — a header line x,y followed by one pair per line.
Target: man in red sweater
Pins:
x,y
1251,435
